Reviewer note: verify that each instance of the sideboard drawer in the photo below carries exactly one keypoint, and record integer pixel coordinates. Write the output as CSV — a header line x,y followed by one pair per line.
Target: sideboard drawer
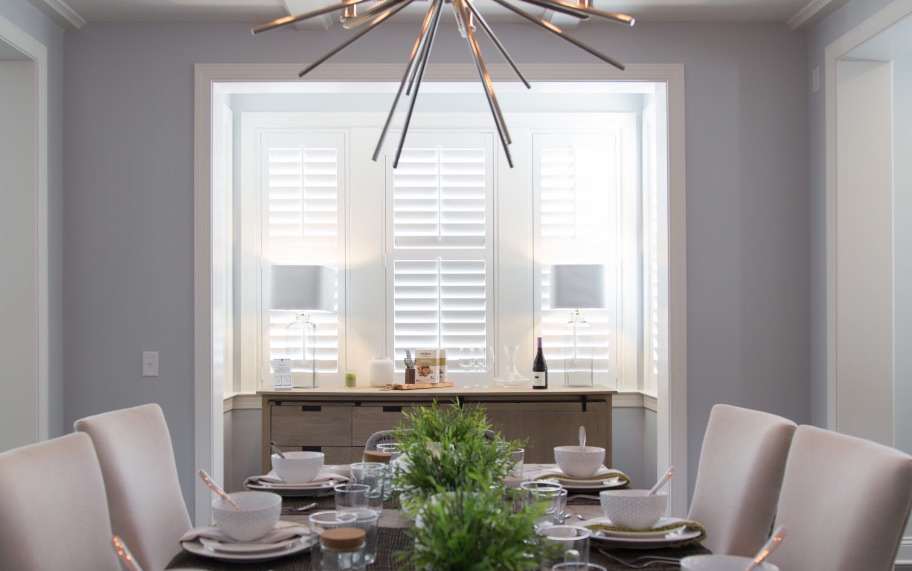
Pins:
x,y
300,424
370,418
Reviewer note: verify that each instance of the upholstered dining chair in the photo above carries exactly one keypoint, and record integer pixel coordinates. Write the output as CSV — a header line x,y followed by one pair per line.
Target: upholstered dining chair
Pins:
x,y
53,511
738,477
140,475
845,501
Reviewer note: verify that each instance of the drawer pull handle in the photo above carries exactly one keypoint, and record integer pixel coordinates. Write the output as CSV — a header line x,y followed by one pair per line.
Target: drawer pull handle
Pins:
x,y
392,409
311,408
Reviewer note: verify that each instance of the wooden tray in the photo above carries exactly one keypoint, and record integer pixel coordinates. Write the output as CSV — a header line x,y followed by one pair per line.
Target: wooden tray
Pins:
x,y
416,386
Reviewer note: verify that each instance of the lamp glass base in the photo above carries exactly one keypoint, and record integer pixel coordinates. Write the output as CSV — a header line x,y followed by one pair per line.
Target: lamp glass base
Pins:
x,y
578,372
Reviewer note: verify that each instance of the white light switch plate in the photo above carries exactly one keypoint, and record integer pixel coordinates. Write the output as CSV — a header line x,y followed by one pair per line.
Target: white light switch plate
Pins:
x,y
150,364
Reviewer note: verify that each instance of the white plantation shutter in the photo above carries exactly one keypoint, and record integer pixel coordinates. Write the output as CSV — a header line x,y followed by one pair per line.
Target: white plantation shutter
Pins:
x,y
576,181
302,180
440,247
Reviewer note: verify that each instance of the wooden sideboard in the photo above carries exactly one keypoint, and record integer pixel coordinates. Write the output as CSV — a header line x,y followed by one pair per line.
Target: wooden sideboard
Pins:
x,y
338,420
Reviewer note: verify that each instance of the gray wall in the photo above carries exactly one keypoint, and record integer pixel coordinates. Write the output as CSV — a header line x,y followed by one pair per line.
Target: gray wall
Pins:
x,y
25,16
128,225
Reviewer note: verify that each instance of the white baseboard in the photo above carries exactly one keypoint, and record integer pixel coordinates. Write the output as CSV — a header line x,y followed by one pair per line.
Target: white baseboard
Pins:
x,y
904,556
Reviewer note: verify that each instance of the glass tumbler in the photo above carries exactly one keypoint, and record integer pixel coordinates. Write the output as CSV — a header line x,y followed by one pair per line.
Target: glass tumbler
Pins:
x,y
565,544
371,474
351,497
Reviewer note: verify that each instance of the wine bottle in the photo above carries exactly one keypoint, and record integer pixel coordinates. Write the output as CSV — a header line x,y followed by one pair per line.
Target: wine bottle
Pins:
x,y
539,369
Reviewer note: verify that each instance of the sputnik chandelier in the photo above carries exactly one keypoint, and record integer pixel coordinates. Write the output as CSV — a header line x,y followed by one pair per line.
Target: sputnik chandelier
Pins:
x,y
466,14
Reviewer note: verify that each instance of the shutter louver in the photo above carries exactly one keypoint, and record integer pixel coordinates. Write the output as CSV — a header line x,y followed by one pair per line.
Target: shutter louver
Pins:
x,y
576,186
302,178
440,249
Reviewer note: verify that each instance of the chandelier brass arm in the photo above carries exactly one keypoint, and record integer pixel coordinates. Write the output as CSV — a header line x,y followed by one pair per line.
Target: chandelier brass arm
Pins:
x,y
465,12
559,33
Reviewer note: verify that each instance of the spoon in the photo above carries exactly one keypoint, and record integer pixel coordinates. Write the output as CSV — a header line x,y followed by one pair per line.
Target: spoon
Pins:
x,y
124,553
660,483
218,490
582,437
275,449
768,547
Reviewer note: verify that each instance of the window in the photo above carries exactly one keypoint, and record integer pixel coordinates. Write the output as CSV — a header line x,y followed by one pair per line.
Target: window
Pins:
x,y
452,248
301,190
440,219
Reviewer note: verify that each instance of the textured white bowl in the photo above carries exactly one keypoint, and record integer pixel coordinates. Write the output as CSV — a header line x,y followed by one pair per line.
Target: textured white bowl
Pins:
x,y
299,467
579,462
633,509
259,513
721,563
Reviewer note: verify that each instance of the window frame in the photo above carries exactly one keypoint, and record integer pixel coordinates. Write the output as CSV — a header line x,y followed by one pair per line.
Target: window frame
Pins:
x,y
513,239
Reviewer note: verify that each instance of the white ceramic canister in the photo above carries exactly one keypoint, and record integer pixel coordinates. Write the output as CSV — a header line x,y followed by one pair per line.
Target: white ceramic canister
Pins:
x,y
380,371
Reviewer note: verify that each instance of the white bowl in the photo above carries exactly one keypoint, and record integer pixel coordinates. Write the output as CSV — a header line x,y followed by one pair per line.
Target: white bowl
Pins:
x,y
300,467
633,509
259,513
721,563
579,462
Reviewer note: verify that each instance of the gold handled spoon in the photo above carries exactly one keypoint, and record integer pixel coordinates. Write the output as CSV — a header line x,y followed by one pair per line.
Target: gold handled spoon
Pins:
x,y
660,483
768,547
218,490
123,552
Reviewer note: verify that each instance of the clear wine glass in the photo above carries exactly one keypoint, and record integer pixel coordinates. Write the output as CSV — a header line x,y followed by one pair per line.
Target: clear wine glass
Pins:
x,y
467,363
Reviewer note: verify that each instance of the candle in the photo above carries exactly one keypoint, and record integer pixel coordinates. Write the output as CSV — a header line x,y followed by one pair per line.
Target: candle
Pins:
x,y
351,379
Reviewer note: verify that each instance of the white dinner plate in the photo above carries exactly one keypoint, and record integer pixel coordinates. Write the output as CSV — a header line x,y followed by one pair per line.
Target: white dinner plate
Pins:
x,y
643,539
246,547
606,481
299,490
300,546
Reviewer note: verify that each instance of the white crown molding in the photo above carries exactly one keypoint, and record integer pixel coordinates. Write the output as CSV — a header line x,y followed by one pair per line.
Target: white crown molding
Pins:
x,y
61,12
813,12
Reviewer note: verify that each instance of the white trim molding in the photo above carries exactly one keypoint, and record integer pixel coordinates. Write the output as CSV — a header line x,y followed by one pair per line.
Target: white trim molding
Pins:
x,y
671,403
37,52
813,12
61,12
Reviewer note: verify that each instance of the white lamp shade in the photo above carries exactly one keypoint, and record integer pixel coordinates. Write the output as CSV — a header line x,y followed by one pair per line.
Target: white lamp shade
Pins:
x,y
303,288
577,286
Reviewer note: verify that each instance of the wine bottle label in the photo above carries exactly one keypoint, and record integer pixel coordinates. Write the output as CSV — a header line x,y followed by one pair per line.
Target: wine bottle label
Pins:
x,y
539,380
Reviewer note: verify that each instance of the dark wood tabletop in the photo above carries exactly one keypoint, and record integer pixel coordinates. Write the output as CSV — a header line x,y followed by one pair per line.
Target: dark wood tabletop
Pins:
x,y
393,542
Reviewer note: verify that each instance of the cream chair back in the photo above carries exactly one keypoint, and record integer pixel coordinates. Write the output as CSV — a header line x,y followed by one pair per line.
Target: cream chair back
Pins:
x,y
53,511
739,476
845,501
144,495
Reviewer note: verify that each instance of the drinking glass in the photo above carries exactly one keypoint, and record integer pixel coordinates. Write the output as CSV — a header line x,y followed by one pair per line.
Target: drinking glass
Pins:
x,y
373,475
367,520
321,521
547,495
517,459
565,544
350,497
467,364
578,567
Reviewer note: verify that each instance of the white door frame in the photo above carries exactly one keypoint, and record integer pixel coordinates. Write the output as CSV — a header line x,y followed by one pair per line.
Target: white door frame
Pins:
x,y
672,386
36,51
879,22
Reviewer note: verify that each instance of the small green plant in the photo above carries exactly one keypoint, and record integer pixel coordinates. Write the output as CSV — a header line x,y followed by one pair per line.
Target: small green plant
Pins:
x,y
450,449
474,531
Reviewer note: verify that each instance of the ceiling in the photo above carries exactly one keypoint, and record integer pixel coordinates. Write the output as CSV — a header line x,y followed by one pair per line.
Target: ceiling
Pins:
x,y
76,13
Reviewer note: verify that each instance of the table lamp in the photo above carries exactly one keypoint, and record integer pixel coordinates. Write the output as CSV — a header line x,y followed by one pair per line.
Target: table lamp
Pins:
x,y
301,289
577,287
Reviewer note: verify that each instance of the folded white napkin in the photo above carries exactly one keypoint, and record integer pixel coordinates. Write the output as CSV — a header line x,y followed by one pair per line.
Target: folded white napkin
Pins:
x,y
324,479
283,530
545,471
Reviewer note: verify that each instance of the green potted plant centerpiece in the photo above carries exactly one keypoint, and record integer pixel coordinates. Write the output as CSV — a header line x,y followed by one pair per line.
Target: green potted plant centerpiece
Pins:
x,y
452,486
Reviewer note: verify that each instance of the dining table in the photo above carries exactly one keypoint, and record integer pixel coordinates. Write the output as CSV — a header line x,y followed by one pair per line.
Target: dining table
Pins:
x,y
394,542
